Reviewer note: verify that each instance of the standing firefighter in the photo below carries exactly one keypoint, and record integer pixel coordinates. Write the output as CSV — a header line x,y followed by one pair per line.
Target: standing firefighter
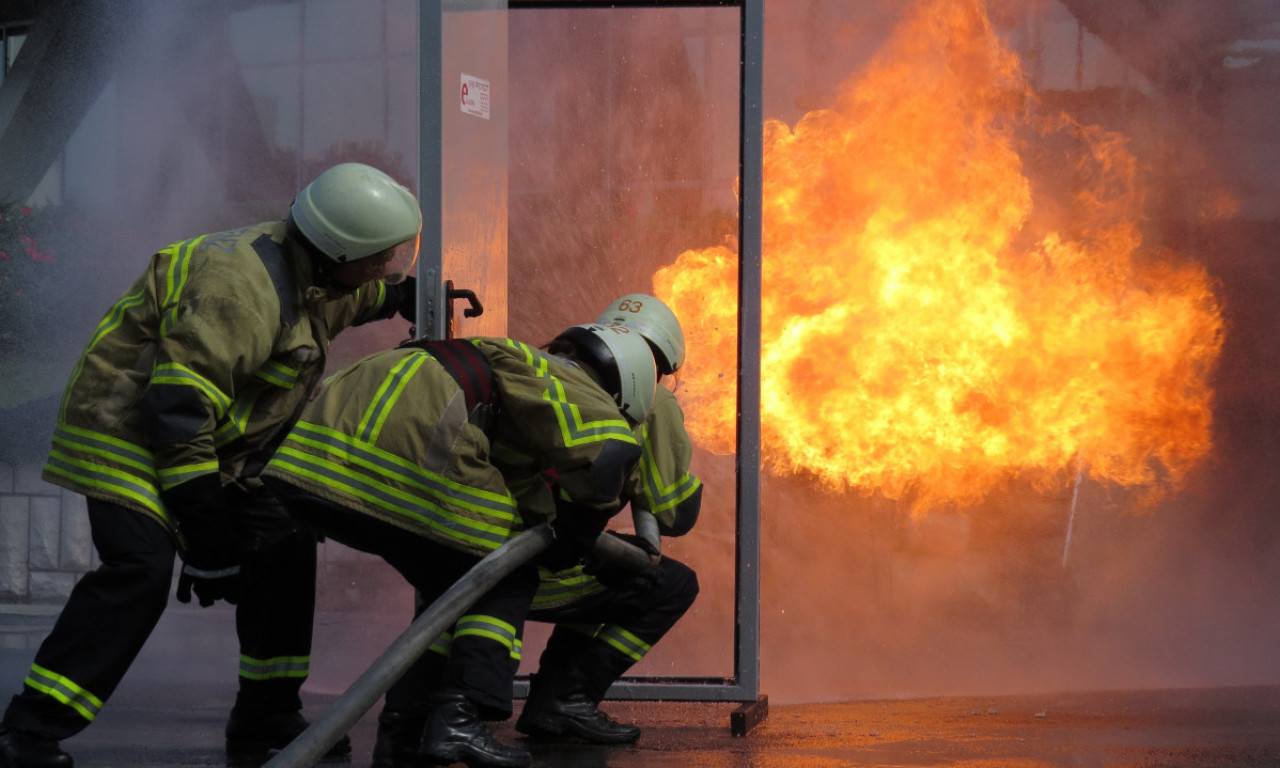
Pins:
x,y
182,395
432,456
606,621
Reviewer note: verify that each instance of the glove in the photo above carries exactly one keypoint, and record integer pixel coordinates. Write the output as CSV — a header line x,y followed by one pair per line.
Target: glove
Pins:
x,y
210,586
615,576
408,299
575,529
208,541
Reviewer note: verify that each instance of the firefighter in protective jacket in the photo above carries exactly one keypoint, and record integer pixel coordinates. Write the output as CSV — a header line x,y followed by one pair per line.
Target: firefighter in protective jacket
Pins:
x,y
181,396
608,620
431,456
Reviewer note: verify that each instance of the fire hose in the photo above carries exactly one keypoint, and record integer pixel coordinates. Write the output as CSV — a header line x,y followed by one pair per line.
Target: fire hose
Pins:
x,y
324,731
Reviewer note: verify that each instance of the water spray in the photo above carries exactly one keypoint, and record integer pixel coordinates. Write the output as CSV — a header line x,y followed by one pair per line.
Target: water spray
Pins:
x,y
1071,517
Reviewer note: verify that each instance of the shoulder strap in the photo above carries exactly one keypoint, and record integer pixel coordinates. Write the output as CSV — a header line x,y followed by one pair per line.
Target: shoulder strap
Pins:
x,y
467,365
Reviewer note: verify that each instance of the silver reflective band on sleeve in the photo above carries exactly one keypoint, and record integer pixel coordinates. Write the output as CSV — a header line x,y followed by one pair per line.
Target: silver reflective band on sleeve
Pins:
x,y
219,574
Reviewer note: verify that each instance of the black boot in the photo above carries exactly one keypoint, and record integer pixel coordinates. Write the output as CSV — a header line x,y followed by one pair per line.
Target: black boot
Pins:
x,y
557,707
23,749
399,735
251,733
455,733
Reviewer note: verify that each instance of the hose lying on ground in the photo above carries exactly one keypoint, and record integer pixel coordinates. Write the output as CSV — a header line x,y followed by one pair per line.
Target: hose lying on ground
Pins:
x,y
359,698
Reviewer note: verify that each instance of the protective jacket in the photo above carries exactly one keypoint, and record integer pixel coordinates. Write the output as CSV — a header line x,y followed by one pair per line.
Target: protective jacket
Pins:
x,y
392,437
200,367
660,483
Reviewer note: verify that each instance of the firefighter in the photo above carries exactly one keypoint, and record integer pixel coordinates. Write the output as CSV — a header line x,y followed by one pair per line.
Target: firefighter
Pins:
x,y
606,621
181,396
432,455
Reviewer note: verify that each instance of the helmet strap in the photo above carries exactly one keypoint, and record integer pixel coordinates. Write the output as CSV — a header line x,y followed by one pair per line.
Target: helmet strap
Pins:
x,y
322,266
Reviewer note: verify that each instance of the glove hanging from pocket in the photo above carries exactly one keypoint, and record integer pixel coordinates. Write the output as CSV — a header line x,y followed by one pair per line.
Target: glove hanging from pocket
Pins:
x,y
208,541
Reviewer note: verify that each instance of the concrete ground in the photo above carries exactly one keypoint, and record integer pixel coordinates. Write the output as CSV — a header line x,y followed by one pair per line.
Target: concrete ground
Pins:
x,y
167,714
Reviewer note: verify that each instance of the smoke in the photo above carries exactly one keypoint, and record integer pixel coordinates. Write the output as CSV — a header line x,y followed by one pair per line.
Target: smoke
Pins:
x,y
623,154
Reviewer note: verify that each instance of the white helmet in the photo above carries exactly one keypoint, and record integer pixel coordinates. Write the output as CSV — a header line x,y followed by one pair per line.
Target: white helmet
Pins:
x,y
655,321
353,211
624,362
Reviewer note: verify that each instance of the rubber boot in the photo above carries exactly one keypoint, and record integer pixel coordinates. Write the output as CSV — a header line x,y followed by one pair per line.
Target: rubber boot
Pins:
x,y
23,749
559,706
455,734
399,736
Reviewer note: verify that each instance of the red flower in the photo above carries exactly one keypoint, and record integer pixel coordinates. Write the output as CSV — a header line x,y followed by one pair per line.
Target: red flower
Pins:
x,y
26,211
37,255
4,255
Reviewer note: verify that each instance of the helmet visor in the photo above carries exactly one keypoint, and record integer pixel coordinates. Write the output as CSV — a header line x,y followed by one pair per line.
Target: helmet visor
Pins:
x,y
403,257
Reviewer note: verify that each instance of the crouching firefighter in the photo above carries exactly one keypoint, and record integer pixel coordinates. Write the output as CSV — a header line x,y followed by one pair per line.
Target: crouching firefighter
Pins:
x,y
607,618
431,456
179,399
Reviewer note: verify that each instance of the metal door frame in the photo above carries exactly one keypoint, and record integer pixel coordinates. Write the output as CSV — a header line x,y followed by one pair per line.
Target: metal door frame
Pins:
x,y
744,685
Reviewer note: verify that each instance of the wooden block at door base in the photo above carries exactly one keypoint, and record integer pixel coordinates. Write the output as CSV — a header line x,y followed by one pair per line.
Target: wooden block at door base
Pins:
x,y
748,716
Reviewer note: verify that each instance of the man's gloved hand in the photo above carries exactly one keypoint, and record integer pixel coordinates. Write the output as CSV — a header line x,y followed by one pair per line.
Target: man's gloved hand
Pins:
x,y
408,298
615,576
575,529
209,544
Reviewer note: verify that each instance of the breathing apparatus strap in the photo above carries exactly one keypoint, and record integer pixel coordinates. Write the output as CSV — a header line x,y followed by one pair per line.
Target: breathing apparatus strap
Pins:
x,y
471,370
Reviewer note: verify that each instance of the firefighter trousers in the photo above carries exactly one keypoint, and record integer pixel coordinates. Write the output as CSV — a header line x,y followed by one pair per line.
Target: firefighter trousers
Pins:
x,y
486,641
114,609
599,637
596,638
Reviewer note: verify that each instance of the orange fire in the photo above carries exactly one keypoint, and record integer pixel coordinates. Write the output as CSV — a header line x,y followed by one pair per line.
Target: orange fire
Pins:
x,y
936,323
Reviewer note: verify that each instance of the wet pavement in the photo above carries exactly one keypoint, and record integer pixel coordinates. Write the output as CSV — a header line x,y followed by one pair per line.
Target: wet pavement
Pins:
x,y
169,713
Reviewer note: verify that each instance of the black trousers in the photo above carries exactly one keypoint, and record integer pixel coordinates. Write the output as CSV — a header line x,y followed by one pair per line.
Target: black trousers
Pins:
x,y
113,610
485,657
598,638
593,642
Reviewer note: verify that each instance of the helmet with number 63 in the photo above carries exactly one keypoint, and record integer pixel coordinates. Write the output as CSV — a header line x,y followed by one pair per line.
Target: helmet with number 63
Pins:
x,y
622,359
655,321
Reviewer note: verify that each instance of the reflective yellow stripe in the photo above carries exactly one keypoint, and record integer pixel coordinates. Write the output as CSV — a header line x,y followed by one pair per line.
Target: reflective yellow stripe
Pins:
x,y
110,448
372,474
573,429
490,628
172,476
531,356
625,642
117,481
389,391
176,373
175,280
560,587
278,374
111,321
274,668
65,691
442,645
660,496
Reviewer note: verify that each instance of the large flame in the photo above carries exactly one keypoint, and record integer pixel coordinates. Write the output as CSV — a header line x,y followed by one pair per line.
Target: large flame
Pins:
x,y
935,323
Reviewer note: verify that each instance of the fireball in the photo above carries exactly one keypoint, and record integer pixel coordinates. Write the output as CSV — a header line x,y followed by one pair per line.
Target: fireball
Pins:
x,y
936,323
